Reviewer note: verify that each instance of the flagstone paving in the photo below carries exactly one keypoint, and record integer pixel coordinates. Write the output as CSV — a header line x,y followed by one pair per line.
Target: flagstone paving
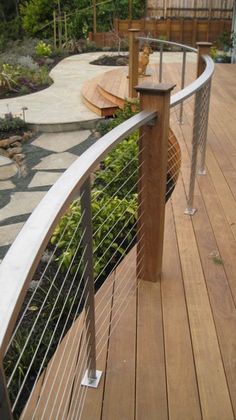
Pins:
x,y
47,157
64,140
44,178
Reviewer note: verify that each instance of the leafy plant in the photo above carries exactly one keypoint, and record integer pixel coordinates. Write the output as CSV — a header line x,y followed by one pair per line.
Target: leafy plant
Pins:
x,y
110,241
225,41
8,77
12,124
214,52
43,50
131,107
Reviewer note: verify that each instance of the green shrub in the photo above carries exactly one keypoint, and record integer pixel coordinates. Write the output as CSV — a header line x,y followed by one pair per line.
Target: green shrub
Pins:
x,y
110,236
120,167
43,50
131,107
11,124
8,77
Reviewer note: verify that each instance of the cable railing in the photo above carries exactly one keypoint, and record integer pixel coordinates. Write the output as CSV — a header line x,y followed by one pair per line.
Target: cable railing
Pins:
x,y
94,230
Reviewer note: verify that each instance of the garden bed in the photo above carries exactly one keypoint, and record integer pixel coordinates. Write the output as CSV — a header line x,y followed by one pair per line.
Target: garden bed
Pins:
x,y
111,60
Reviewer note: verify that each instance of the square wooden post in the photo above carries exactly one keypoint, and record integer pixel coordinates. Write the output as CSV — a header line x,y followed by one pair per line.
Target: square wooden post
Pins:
x,y
133,62
5,407
203,48
153,175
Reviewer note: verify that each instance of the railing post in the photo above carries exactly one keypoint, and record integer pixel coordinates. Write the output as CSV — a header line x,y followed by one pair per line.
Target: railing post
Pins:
x,y
133,62
161,63
203,49
195,142
182,85
152,184
5,408
92,376
205,119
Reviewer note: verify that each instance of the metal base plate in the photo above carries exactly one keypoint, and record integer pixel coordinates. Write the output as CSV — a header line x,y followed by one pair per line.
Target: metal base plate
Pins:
x,y
190,212
200,172
92,383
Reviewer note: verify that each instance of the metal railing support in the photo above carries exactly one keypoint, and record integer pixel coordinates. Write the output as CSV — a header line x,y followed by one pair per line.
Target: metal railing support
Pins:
x,y
92,376
182,85
202,167
152,185
203,48
190,210
133,62
5,407
161,63
201,114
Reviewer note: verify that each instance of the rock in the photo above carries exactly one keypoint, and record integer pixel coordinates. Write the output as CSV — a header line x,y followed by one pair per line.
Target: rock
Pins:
x,y
6,142
15,138
14,151
23,171
3,152
16,144
27,135
97,135
7,168
18,158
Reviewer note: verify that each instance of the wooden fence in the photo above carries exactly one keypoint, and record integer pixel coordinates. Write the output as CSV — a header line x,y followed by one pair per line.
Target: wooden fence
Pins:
x,y
187,31
210,9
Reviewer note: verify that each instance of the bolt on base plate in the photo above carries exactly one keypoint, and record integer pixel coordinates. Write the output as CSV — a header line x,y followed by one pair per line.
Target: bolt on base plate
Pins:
x,y
92,383
190,211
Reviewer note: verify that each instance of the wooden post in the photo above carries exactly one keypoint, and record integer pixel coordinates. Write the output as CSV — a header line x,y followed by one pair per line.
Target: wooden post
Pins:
x,y
55,29
194,33
130,10
133,62
65,23
203,48
153,174
5,407
94,17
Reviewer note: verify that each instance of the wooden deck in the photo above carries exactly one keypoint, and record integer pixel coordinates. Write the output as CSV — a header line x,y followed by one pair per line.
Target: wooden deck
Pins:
x,y
173,353
106,93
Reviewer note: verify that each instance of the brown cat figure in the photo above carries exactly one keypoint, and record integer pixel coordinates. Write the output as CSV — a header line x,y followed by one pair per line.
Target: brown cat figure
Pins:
x,y
144,59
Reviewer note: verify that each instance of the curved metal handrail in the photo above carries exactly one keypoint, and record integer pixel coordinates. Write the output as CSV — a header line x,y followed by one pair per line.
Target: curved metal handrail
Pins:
x,y
174,44
15,272
196,85
15,275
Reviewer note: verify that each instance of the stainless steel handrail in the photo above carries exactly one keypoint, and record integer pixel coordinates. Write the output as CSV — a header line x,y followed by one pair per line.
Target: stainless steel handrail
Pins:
x,y
174,44
196,85
16,272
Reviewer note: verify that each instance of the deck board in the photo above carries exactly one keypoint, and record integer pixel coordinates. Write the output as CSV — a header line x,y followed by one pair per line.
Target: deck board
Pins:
x,y
183,397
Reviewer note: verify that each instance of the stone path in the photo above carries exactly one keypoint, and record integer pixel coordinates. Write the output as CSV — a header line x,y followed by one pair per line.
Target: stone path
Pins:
x,y
62,103
47,157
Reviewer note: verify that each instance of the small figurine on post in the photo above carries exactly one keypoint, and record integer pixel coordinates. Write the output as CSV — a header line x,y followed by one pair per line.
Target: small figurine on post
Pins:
x,y
144,60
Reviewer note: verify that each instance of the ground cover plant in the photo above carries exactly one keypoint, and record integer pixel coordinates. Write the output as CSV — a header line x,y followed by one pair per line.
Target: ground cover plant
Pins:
x,y
10,126
22,74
